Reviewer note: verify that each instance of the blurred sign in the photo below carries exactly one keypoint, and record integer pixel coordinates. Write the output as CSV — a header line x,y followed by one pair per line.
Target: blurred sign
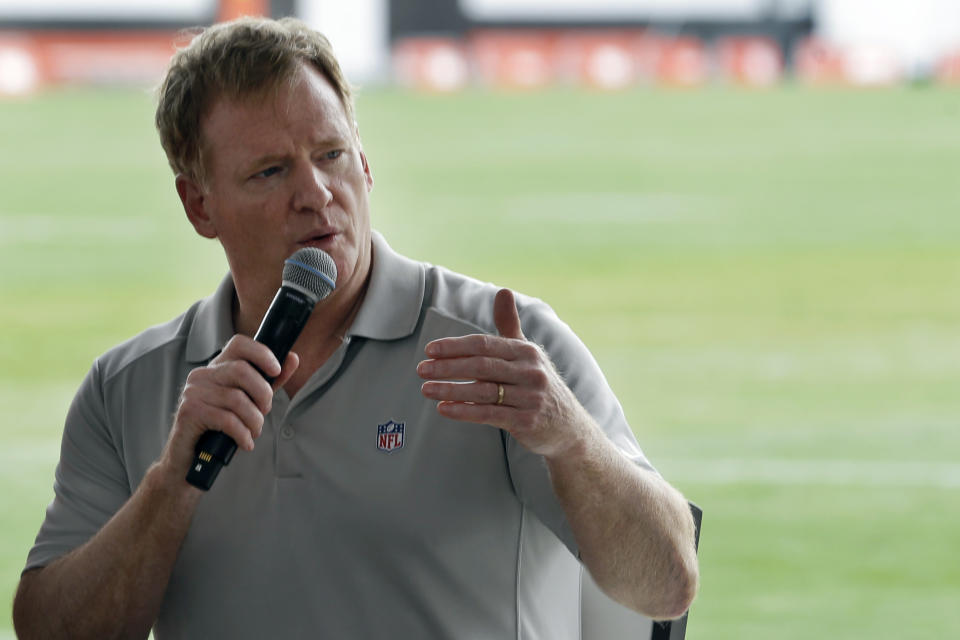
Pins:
x,y
883,39
749,61
30,60
605,9
108,10
431,63
357,30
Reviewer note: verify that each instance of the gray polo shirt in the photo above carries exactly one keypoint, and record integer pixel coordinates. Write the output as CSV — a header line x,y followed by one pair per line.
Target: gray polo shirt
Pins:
x,y
361,513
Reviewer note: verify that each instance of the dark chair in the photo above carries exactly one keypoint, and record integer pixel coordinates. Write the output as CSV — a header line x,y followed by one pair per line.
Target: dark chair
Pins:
x,y
603,619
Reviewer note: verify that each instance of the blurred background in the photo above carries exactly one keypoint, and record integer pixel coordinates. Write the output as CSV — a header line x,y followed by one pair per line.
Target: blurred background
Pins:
x,y
746,208
444,45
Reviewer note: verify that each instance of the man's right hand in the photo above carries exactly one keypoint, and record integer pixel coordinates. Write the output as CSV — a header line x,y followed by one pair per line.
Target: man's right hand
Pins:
x,y
113,585
228,395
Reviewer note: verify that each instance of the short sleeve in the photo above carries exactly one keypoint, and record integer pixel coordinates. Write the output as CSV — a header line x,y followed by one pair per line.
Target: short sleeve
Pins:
x,y
582,375
90,483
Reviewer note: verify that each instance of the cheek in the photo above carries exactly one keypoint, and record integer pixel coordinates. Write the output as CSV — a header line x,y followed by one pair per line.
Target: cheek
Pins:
x,y
251,227
352,197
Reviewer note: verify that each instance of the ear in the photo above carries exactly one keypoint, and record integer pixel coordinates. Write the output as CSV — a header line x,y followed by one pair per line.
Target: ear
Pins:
x,y
193,197
363,157
366,170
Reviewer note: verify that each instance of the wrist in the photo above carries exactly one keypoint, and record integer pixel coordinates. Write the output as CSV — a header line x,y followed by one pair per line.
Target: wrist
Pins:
x,y
170,480
582,439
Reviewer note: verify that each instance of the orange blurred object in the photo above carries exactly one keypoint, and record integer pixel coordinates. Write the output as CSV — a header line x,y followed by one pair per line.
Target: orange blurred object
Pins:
x,y
431,63
230,9
682,62
816,62
31,60
601,59
948,71
515,59
750,61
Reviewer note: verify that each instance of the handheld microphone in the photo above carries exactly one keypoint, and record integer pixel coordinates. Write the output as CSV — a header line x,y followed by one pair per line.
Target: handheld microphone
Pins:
x,y
309,275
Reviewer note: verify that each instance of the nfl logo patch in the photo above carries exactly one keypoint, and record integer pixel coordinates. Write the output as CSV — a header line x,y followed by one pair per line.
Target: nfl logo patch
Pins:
x,y
390,436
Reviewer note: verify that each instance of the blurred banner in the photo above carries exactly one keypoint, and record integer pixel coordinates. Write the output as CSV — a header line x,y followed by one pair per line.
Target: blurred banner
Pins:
x,y
445,45
60,11
616,9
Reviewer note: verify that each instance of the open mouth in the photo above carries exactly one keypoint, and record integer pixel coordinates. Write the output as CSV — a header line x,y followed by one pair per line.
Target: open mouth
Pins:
x,y
320,240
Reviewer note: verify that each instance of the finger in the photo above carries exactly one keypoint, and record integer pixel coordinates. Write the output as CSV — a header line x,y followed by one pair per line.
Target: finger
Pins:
x,y
495,415
242,375
208,417
242,347
202,391
476,392
290,365
237,402
505,315
472,368
474,345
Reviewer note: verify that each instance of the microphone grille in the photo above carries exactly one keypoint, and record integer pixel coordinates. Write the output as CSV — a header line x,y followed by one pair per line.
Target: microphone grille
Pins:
x,y
312,271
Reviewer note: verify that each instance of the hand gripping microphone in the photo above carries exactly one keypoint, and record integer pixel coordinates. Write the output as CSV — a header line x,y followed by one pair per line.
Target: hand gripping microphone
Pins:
x,y
309,275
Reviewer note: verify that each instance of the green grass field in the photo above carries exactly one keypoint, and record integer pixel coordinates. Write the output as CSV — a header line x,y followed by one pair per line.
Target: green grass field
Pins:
x,y
769,280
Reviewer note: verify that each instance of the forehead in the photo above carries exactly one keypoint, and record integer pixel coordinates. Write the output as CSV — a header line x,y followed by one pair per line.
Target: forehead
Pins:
x,y
305,105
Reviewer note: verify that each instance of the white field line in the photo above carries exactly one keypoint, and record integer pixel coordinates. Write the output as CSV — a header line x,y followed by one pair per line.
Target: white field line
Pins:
x,y
721,471
855,473
608,207
44,228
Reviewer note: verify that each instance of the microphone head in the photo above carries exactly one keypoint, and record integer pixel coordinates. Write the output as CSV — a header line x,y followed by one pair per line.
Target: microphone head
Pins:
x,y
312,271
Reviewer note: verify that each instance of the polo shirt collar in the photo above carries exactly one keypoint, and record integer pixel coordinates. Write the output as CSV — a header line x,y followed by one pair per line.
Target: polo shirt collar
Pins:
x,y
212,325
390,308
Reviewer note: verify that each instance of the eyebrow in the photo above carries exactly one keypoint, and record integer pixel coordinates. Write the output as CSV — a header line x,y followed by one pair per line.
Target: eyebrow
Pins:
x,y
333,141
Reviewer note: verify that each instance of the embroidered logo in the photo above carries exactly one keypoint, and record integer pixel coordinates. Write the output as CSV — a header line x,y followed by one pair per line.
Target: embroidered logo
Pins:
x,y
390,436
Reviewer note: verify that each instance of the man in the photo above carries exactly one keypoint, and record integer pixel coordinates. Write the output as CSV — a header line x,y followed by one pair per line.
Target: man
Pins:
x,y
465,524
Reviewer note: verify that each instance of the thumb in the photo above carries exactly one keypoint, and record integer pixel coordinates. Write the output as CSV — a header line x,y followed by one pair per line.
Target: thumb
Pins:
x,y
290,364
505,315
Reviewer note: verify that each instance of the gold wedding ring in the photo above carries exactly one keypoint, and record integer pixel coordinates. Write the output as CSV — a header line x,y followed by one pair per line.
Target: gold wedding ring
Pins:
x,y
499,394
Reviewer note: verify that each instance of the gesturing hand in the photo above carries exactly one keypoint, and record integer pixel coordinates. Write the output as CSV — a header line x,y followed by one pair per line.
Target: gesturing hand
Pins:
x,y
227,395
510,384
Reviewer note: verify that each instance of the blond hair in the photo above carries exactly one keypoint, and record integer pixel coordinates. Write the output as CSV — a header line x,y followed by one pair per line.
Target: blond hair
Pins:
x,y
235,60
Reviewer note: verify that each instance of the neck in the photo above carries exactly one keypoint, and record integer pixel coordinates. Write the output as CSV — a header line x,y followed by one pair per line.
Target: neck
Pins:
x,y
330,320
328,324
324,334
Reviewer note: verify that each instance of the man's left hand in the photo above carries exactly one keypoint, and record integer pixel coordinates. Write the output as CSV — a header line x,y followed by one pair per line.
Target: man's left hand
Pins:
x,y
634,532
508,382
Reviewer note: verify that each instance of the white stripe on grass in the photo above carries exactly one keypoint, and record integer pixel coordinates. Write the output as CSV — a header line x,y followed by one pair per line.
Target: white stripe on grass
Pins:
x,y
857,473
44,228
575,207
720,471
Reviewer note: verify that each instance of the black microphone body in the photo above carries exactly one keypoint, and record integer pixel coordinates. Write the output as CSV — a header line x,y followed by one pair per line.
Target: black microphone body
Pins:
x,y
281,326
285,319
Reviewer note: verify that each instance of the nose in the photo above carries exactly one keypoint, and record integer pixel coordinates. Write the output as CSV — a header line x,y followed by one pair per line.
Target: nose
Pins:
x,y
311,189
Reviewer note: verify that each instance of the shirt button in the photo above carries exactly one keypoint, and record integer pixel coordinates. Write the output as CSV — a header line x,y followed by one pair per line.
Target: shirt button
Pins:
x,y
287,432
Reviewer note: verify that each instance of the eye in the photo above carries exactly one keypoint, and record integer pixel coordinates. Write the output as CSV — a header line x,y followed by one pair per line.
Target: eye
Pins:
x,y
266,173
333,155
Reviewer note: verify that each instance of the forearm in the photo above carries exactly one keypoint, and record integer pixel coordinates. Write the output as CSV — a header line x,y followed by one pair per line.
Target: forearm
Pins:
x,y
634,531
112,586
